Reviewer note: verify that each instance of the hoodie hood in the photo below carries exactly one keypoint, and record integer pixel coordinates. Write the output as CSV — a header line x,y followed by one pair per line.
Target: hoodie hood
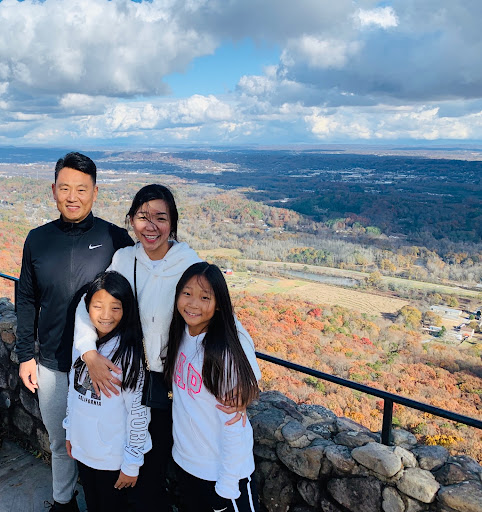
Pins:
x,y
180,255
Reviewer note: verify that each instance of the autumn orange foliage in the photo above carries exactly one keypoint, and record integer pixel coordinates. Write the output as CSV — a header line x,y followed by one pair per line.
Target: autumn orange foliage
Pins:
x,y
371,351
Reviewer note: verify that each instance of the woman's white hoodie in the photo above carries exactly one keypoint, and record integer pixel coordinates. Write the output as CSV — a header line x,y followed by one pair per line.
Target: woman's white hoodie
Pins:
x,y
156,288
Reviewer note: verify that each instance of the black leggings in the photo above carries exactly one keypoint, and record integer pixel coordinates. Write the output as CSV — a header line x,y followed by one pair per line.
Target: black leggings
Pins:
x,y
150,492
99,491
198,495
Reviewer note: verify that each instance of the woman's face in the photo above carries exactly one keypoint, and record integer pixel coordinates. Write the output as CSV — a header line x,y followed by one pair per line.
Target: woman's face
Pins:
x,y
152,225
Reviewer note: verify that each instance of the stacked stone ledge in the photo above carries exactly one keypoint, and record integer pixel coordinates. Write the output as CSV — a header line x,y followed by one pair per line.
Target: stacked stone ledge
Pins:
x,y
307,459
19,411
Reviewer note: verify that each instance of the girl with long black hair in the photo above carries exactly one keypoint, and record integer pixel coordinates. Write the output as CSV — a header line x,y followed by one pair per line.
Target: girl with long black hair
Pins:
x,y
109,437
208,361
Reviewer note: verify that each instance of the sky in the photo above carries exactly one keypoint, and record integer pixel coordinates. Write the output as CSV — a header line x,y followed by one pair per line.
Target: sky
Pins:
x,y
145,74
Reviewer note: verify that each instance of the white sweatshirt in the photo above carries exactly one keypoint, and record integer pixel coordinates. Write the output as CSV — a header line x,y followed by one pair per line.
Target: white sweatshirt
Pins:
x,y
156,289
203,445
107,433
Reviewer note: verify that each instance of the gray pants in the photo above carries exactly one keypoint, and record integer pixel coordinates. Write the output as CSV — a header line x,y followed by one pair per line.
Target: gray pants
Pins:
x,y
53,387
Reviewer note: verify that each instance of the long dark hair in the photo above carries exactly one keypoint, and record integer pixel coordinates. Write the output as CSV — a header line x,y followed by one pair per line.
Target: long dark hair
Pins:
x,y
150,193
129,352
226,371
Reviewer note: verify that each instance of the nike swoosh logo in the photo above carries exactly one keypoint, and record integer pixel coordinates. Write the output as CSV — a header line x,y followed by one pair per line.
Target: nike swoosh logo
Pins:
x,y
94,246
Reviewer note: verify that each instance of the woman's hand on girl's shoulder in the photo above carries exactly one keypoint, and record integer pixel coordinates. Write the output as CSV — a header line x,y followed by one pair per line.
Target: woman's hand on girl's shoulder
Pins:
x,y
99,371
231,409
125,481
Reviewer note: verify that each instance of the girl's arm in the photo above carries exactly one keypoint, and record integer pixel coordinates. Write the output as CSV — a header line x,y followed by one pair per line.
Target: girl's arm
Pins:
x,y
236,441
138,440
85,337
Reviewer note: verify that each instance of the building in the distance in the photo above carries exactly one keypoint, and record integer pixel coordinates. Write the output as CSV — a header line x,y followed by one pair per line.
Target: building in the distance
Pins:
x,y
446,312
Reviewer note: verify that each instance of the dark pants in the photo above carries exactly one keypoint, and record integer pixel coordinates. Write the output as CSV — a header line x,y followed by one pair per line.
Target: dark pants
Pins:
x,y
150,492
99,490
199,495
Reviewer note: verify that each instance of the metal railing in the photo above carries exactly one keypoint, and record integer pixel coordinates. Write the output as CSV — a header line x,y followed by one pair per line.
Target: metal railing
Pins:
x,y
388,398
15,292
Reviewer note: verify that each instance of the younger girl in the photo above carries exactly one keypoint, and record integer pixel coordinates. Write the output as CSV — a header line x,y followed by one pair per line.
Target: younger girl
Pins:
x,y
108,437
208,361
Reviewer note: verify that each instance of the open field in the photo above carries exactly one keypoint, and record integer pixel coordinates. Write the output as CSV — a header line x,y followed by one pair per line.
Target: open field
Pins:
x,y
220,252
351,299
317,293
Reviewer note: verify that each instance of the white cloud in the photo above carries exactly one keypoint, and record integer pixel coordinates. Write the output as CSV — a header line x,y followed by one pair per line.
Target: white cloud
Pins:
x,y
95,47
20,116
124,117
256,85
142,119
94,69
319,53
199,109
82,103
383,17
388,123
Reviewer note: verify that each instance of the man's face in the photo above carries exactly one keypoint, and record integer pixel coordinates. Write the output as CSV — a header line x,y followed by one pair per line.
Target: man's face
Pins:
x,y
75,193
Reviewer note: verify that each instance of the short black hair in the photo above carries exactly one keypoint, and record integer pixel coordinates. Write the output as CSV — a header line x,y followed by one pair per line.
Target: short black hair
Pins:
x,y
151,193
79,162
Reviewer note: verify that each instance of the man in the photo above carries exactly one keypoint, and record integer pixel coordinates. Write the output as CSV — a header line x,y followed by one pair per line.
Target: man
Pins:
x,y
59,260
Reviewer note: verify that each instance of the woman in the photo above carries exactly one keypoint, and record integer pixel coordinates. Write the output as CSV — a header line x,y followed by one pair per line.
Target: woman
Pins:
x,y
153,268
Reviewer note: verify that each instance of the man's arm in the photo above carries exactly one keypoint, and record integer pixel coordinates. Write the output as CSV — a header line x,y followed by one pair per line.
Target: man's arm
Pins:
x,y
27,309
28,373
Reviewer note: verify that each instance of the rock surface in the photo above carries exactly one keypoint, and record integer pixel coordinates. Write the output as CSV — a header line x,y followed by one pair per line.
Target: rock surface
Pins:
x,y
305,462
379,458
463,497
392,502
431,457
357,494
419,484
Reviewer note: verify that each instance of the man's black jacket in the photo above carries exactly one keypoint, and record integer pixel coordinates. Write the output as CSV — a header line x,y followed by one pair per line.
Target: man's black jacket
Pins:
x,y
59,260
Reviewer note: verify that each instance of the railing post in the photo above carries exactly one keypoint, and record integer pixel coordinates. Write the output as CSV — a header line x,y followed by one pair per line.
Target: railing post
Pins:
x,y
387,422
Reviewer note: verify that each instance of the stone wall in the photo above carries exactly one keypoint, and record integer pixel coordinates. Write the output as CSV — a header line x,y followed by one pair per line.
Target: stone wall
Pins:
x,y
307,459
19,410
